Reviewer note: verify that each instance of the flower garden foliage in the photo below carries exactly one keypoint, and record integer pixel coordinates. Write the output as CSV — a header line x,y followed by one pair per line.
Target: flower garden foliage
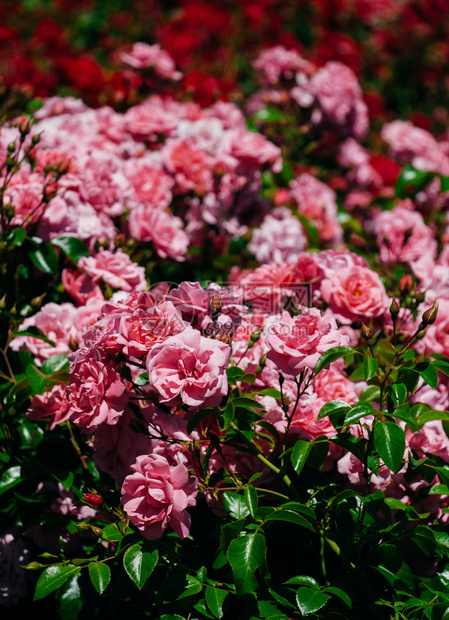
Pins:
x,y
224,310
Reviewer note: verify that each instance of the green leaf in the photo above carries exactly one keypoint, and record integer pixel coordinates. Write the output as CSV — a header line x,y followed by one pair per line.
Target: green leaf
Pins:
x,y
342,595
389,441
398,393
360,410
10,478
197,417
246,555
246,403
303,580
34,332
215,597
269,115
428,372
411,180
141,379
301,451
333,407
100,575
369,367
16,236
234,374
52,578
270,611
310,600
235,504
251,499
330,356
72,247
45,259
139,564
290,517
431,415
271,392
112,533
70,600
55,363
37,379
370,394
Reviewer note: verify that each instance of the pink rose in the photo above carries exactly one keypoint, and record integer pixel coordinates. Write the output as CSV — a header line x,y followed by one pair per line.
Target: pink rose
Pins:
x,y
279,239
52,406
95,392
402,235
144,56
297,342
56,321
80,286
318,203
116,269
189,368
278,62
190,166
157,495
148,223
355,292
305,419
247,152
330,384
151,184
339,96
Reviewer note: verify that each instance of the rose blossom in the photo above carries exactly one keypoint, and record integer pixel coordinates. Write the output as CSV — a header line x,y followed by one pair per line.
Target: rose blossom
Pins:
x,y
189,368
52,406
80,286
116,269
297,342
402,235
355,292
144,56
148,223
56,322
157,495
95,392
279,239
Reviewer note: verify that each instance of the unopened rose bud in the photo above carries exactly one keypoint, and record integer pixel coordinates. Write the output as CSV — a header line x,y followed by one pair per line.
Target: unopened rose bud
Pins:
x,y
366,331
36,139
406,284
419,297
261,366
394,310
429,316
255,336
93,499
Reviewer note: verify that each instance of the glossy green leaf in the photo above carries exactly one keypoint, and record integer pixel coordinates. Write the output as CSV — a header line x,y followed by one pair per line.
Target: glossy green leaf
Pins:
x,y
215,597
342,595
431,415
52,578
333,407
428,372
330,356
246,555
301,451
236,505
251,499
10,478
290,517
310,600
70,604
370,394
34,332
100,575
37,379
389,441
411,180
369,367
72,247
398,393
45,259
55,363
139,564
360,410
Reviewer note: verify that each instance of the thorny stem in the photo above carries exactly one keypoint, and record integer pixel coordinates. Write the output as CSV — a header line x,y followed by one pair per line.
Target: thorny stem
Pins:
x,y
76,446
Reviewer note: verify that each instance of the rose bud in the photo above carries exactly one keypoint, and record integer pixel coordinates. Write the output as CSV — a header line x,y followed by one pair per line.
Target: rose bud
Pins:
x,y
93,500
406,284
394,310
429,316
